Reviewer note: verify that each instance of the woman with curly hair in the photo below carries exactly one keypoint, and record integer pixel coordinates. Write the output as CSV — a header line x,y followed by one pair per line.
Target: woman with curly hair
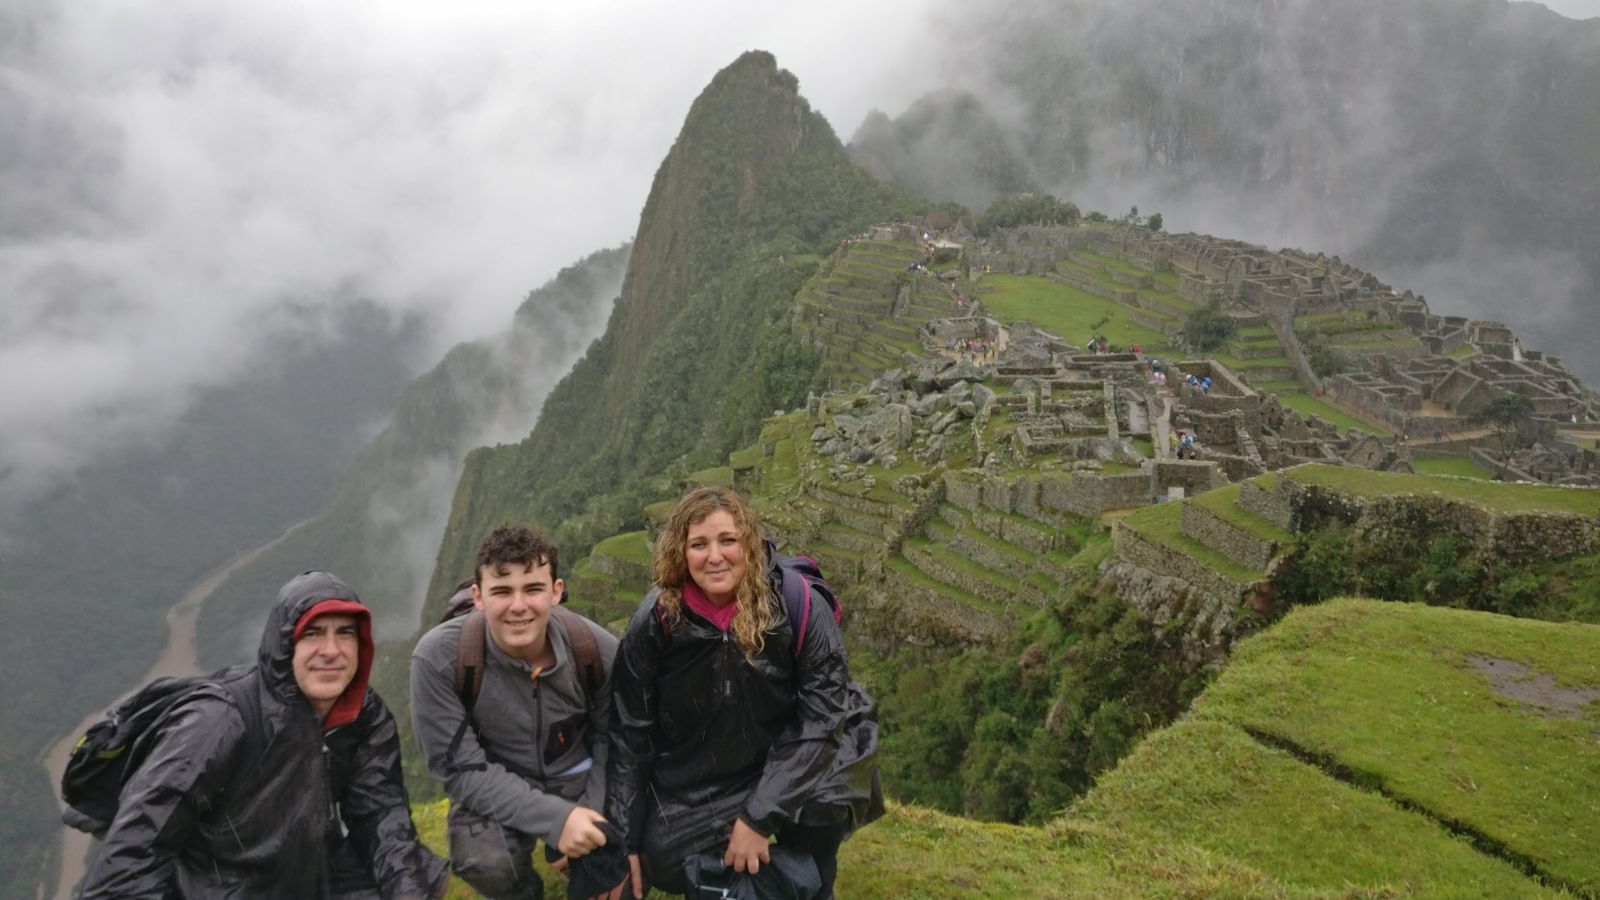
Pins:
x,y
728,718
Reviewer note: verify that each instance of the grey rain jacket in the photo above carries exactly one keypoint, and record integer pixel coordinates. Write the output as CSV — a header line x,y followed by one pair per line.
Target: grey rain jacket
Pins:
x,y
700,735
525,732
207,816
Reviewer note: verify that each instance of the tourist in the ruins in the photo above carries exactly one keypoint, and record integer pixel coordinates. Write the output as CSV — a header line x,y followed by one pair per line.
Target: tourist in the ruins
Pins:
x,y
734,718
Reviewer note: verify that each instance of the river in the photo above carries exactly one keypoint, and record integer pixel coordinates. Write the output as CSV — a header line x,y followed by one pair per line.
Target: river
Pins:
x,y
177,658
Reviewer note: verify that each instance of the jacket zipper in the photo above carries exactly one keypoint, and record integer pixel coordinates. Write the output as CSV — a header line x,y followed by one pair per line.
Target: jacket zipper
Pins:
x,y
538,725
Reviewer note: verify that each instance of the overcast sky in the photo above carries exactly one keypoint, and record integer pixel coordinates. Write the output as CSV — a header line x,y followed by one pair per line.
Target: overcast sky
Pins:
x,y
174,173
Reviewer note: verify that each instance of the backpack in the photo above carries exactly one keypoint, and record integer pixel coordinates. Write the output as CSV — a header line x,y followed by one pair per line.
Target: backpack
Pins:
x,y
799,578
116,745
474,631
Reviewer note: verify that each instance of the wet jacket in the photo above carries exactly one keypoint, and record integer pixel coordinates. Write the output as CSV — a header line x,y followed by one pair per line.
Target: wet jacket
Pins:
x,y
536,746
700,735
211,813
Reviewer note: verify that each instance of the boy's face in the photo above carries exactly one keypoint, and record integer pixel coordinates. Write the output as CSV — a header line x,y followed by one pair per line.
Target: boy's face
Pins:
x,y
517,606
325,658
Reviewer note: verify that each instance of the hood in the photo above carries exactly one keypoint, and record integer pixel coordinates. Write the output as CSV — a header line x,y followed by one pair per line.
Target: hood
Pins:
x,y
300,596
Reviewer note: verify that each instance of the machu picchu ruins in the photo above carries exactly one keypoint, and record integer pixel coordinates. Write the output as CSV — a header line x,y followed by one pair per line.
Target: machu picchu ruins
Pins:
x,y
961,455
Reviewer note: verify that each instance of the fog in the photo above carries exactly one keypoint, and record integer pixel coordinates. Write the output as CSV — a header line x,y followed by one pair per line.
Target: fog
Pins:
x,y
185,179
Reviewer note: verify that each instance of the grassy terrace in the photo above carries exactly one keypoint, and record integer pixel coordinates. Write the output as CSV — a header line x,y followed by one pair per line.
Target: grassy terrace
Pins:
x,y
1460,466
1224,501
1508,498
1062,309
1245,365
721,476
961,563
1212,785
1308,405
1279,387
633,546
1465,351
1159,523
1387,692
993,543
905,569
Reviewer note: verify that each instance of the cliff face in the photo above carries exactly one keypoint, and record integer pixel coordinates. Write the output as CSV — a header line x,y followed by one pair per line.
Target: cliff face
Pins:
x,y
696,351
381,520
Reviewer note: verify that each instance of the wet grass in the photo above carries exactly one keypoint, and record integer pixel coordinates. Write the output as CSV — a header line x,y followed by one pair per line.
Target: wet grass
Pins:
x,y
1509,498
1063,310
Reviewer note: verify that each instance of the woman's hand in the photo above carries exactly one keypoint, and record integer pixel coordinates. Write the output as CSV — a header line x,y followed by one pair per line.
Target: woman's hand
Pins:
x,y
747,849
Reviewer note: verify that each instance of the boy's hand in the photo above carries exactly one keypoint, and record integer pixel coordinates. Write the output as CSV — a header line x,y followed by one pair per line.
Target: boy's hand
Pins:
x,y
582,833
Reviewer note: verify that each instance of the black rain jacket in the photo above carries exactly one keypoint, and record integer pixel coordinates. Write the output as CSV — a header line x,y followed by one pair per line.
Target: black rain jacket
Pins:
x,y
700,735
209,816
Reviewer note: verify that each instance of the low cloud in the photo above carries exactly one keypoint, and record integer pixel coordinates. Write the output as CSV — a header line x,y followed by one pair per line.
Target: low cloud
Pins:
x,y
185,178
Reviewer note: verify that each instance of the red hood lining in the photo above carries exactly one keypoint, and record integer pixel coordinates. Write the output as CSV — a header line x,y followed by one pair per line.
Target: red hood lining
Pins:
x,y
348,706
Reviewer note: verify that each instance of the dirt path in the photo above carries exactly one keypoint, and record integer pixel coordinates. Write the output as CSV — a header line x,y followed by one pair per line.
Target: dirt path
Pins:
x,y
177,658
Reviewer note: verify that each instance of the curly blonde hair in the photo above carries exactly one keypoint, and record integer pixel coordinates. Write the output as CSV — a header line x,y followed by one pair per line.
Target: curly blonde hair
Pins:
x,y
754,612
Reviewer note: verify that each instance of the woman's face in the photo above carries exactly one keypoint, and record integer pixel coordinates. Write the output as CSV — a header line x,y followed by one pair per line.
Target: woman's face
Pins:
x,y
715,556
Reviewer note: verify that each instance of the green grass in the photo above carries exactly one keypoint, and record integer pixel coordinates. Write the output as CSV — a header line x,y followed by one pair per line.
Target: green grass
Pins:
x,y
1224,502
1460,466
1159,523
906,569
1145,446
1309,405
633,546
1465,351
721,476
1508,498
746,457
961,563
1279,387
1209,783
1062,310
1240,364
1385,690
1012,550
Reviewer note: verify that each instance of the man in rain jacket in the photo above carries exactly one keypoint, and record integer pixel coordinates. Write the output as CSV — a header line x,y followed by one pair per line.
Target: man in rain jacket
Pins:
x,y
307,803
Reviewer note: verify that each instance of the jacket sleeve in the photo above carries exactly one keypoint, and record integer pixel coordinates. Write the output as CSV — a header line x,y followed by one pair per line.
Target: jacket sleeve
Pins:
x,y
634,707
469,778
594,792
803,753
377,812
160,806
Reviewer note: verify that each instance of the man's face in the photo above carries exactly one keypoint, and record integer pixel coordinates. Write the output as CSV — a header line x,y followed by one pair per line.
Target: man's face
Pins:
x,y
325,658
517,606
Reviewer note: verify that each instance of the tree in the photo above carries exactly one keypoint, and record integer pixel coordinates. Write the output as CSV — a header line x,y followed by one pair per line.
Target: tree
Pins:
x,y
1154,222
1506,414
1208,328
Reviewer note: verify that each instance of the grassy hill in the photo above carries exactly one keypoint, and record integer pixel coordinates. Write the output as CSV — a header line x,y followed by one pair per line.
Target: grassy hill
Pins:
x,y
1355,749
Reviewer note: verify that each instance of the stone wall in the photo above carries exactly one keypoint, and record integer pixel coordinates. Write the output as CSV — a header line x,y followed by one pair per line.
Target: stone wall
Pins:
x,y
1226,538
1271,504
1195,476
1505,537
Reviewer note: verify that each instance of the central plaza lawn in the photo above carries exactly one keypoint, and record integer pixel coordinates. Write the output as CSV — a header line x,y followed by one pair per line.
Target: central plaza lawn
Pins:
x,y
1061,309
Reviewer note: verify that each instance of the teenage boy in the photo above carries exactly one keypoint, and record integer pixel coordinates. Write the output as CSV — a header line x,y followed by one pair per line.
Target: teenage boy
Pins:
x,y
525,760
